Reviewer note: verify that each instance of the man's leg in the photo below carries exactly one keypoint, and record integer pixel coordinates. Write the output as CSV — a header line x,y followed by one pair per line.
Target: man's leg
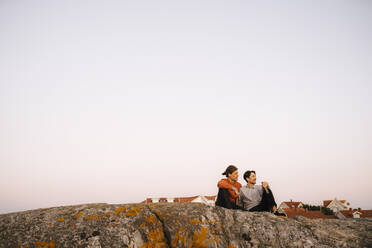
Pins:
x,y
223,199
267,203
257,208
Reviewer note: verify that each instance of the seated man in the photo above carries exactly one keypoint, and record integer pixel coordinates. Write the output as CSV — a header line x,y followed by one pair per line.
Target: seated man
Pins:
x,y
228,189
257,197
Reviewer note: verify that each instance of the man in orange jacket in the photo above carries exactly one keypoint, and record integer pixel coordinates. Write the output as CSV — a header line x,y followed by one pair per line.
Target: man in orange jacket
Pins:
x,y
228,189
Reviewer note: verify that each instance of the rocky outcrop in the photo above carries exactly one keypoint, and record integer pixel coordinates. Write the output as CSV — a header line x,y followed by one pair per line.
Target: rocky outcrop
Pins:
x,y
173,225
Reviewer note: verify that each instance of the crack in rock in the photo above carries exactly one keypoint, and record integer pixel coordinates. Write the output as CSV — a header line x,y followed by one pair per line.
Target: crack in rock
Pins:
x,y
164,229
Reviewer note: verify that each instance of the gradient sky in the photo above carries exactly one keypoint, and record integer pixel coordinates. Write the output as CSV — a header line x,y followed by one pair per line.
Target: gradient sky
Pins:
x,y
117,101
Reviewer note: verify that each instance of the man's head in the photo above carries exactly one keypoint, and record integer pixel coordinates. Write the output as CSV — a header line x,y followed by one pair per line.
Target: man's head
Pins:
x,y
250,177
231,172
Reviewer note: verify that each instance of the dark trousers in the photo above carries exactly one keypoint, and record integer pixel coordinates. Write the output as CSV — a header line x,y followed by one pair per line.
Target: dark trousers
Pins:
x,y
267,203
223,200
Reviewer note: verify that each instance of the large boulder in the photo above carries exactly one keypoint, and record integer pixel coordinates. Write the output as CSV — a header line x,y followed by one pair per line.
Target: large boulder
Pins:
x,y
173,225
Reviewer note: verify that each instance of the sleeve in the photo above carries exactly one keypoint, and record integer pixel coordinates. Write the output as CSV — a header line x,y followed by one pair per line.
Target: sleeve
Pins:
x,y
238,186
224,185
241,201
261,190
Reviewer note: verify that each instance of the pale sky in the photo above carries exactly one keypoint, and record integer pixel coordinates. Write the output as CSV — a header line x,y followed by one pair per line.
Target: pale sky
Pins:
x,y
118,101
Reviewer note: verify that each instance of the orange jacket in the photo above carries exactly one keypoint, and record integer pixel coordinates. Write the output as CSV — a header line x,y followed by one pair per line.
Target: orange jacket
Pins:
x,y
227,184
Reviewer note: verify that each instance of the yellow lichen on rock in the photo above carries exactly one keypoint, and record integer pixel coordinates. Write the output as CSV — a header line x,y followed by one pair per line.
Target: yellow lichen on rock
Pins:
x,y
133,211
130,214
94,217
119,210
200,239
78,215
166,217
180,237
196,222
156,239
216,239
42,244
151,219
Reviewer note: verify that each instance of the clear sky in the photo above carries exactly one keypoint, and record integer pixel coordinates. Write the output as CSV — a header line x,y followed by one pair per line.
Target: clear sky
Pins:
x,y
117,101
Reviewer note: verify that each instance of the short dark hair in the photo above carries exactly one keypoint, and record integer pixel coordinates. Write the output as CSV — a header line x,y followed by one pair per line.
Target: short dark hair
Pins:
x,y
248,174
229,170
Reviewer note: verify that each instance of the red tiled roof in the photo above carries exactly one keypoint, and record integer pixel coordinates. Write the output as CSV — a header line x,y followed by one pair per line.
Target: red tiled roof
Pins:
x,y
211,198
292,204
148,200
347,213
327,202
292,212
364,213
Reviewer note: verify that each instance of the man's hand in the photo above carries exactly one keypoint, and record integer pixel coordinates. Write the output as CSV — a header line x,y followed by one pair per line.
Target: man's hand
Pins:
x,y
236,191
274,208
265,185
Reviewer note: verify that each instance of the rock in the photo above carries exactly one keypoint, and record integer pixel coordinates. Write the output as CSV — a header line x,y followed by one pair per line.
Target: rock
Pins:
x,y
173,225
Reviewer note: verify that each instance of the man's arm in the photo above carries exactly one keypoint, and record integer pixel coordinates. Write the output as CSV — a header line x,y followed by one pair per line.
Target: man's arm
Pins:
x,y
241,199
225,185
265,186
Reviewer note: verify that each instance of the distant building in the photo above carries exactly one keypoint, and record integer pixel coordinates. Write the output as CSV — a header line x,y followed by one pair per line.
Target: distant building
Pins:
x,y
336,205
295,208
209,200
340,209
354,213
290,204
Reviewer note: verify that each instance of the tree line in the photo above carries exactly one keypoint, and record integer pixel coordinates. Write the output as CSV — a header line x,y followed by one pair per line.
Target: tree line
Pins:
x,y
324,210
